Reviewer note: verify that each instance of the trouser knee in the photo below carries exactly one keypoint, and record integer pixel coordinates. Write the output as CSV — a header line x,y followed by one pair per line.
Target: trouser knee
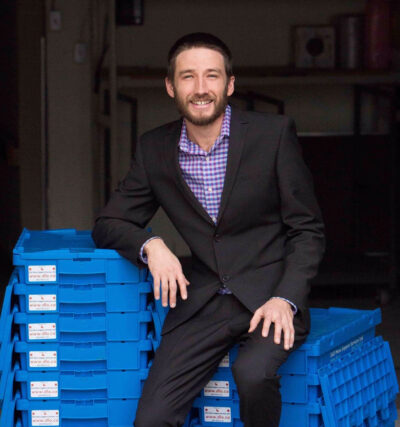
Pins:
x,y
253,382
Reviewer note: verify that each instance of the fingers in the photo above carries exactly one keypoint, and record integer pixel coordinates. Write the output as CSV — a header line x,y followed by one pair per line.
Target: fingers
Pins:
x,y
286,326
183,282
167,273
255,320
156,286
283,323
172,291
277,332
164,291
167,287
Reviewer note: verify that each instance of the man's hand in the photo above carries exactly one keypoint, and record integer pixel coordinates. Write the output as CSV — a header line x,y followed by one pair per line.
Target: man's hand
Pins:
x,y
166,270
280,313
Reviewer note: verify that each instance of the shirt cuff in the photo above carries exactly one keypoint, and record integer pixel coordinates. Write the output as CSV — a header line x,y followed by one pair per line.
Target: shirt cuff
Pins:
x,y
294,308
142,255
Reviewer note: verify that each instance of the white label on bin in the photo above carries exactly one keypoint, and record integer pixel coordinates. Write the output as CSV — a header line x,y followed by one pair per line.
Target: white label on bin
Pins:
x,y
42,273
217,389
43,359
217,414
42,389
45,418
47,302
225,362
42,331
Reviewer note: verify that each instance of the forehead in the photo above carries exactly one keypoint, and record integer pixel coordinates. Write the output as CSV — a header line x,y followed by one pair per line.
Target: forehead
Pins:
x,y
199,58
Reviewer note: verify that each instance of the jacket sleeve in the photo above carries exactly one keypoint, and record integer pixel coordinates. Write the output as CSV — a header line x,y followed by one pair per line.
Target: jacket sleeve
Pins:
x,y
301,214
121,223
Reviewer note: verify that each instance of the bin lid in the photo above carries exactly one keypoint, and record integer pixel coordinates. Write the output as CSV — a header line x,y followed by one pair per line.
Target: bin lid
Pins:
x,y
58,244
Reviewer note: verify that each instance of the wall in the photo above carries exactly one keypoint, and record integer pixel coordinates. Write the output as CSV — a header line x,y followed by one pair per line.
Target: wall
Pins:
x,y
69,119
30,28
258,33
256,30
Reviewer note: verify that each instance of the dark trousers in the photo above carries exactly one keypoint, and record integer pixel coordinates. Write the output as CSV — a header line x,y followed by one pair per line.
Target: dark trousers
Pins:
x,y
189,355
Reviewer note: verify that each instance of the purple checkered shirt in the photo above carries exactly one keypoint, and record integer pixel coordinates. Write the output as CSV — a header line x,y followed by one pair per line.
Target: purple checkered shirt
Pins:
x,y
204,173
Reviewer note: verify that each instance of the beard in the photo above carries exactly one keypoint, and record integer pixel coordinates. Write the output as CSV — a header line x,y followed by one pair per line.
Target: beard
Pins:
x,y
219,108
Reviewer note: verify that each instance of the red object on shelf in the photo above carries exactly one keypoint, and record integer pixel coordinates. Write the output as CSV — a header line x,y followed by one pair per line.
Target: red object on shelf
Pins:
x,y
378,34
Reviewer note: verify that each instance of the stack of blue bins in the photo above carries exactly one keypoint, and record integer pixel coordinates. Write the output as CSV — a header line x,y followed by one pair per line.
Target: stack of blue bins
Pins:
x,y
343,375
76,326
79,326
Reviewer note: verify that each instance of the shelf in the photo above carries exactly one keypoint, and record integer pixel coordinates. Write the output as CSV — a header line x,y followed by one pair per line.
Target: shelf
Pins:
x,y
145,77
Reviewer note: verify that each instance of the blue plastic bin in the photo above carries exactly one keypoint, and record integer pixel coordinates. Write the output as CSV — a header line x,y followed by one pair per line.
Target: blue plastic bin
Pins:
x,y
80,327
8,335
126,384
154,341
215,412
100,298
70,257
359,388
157,322
219,413
221,386
334,332
7,412
78,413
89,413
83,356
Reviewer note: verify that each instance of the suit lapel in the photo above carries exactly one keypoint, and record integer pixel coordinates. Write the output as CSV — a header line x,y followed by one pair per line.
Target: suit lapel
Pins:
x,y
172,160
236,141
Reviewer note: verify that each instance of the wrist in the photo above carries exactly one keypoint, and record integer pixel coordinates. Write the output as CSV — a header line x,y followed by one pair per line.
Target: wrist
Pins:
x,y
292,306
152,245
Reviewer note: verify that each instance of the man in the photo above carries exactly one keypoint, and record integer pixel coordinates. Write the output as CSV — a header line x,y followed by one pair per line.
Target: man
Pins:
x,y
235,186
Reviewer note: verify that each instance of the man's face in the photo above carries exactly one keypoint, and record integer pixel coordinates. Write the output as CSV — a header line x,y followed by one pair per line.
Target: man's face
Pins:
x,y
201,86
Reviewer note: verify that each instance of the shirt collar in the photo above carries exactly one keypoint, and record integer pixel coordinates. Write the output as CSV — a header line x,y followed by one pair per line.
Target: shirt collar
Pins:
x,y
188,146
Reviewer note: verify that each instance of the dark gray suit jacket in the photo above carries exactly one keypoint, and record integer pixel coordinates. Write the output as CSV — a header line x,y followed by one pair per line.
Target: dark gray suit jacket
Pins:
x,y
269,236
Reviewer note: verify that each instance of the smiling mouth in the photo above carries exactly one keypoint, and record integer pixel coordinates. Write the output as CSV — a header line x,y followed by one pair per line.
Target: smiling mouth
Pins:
x,y
201,103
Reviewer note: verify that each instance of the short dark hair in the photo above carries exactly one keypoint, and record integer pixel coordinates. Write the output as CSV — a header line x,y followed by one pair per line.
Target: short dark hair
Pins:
x,y
192,40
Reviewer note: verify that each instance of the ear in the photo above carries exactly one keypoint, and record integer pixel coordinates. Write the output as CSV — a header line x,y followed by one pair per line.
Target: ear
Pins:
x,y
231,85
170,87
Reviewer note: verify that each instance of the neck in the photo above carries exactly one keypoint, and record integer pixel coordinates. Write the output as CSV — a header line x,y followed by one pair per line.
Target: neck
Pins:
x,y
204,136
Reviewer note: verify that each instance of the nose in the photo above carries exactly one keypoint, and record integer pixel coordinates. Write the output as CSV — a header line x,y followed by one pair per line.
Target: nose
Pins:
x,y
201,86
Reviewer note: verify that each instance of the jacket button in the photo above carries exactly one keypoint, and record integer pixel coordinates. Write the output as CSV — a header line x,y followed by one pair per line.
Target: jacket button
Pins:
x,y
217,238
225,278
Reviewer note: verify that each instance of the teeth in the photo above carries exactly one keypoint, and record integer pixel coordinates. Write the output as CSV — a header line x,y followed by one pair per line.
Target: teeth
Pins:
x,y
201,102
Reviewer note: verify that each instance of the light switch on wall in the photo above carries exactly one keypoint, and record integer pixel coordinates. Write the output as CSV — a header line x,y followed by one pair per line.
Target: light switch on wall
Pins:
x,y
80,53
55,20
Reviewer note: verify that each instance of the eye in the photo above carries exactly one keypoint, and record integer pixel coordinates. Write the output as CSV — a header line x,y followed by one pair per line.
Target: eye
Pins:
x,y
213,76
188,76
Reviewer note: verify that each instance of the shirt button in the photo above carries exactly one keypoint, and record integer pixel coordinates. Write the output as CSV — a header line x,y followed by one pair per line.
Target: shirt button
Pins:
x,y
225,278
209,189
214,218
217,238
207,159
